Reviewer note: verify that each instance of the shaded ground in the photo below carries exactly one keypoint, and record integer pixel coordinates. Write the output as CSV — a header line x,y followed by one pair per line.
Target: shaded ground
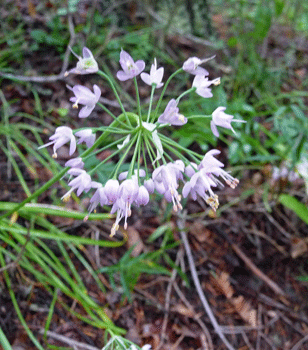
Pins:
x,y
248,257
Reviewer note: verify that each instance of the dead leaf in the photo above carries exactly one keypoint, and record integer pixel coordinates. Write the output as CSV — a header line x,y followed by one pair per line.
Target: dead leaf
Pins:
x,y
298,247
134,239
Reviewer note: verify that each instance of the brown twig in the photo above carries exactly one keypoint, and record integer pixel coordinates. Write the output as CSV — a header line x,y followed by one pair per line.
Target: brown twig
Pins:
x,y
167,301
206,339
206,305
301,342
75,344
257,271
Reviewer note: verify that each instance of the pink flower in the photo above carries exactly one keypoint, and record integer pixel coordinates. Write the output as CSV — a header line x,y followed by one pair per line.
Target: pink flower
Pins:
x,y
82,182
166,179
192,66
209,160
130,68
75,163
85,64
211,166
62,135
220,118
143,196
86,136
85,97
200,183
171,115
111,190
155,76
99,196
203,84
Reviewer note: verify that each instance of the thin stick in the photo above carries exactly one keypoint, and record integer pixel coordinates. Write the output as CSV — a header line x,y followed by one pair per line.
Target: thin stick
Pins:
x,y
257,271
66,340
207,308
301,342
167,301
205,338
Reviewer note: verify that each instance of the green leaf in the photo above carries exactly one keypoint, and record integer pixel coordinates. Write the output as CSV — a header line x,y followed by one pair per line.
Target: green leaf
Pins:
x,y
300,209
263,20
279,6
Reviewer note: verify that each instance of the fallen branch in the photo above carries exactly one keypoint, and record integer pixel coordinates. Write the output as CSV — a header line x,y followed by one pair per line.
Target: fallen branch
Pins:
x,y
206,305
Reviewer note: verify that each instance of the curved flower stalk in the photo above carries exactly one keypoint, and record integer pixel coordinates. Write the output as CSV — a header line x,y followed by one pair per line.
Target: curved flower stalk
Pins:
x,y
157,163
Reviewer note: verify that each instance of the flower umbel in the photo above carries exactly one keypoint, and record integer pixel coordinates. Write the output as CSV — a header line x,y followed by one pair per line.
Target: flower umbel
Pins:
x,y
156,162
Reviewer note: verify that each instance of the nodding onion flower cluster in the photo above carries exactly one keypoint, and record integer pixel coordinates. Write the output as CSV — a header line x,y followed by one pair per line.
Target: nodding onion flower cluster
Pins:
x,y
137,138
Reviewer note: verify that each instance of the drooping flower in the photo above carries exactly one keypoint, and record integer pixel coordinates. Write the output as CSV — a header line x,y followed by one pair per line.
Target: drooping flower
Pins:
x,y
111,190
62,135
130,68
145,347
155,76
212,166
200,183
203,84
85,97
166,179
209,160
75,163
149,185
82,182
143,196
86,136
137,173
192,66
127,193
191,169
171,114
85,64
220,118
99,197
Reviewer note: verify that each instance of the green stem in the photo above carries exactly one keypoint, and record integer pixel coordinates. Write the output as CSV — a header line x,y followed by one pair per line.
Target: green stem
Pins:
x,y
167,141
129,146
115,93
199,116
185,93
137,148
111,114
163,92
138,101
151,102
